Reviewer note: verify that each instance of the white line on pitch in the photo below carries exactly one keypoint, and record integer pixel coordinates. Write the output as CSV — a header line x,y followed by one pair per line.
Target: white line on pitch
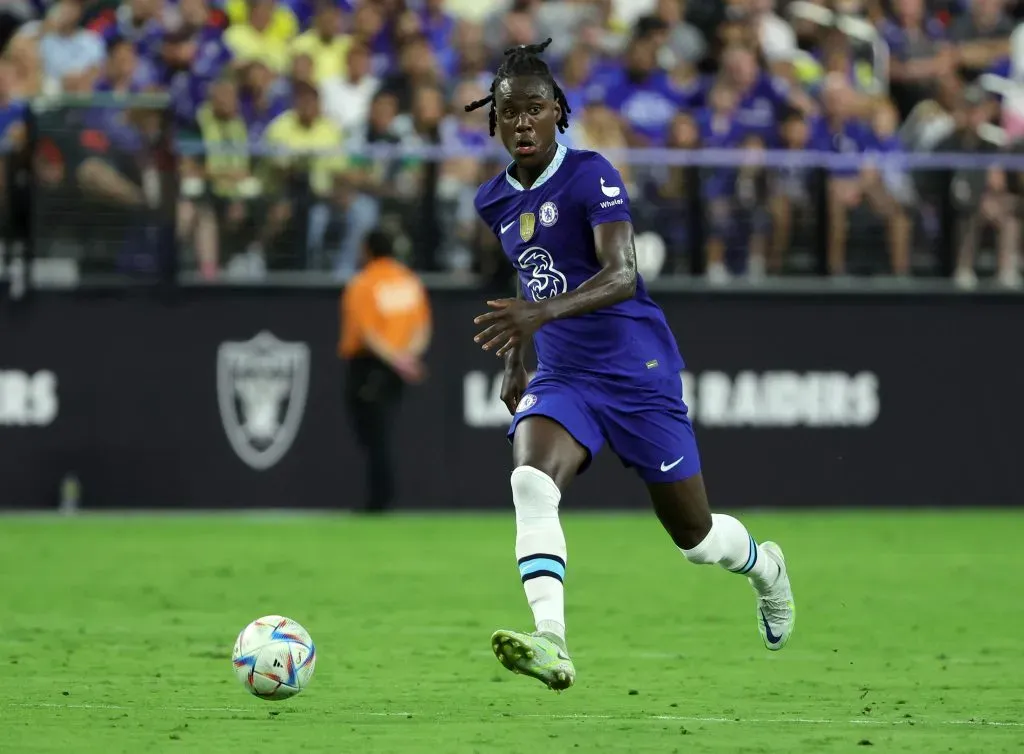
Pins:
x,y
162,708
618,718
57,705
825,721
778,720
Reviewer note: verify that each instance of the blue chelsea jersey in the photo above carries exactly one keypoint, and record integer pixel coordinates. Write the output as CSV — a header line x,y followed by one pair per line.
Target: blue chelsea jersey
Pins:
x,y
547,233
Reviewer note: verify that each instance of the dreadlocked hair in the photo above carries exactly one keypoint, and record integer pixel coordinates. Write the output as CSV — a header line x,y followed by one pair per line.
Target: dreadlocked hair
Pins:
x,y
524,60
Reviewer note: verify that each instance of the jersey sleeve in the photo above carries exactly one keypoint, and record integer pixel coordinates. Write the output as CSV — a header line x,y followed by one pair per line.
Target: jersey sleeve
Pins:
x,y
601,190
480,203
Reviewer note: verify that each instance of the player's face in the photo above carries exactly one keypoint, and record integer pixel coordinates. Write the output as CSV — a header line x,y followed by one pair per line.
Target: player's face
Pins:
x,y
527,117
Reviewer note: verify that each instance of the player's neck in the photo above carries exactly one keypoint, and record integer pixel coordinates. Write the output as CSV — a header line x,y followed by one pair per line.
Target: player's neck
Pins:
x,y
527,176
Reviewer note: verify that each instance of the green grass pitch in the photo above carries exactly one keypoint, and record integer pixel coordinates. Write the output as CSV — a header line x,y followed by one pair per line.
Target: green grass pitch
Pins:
x,y
117,634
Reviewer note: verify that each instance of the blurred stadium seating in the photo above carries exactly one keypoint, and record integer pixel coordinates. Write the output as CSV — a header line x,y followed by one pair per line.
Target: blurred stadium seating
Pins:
x,y
151,136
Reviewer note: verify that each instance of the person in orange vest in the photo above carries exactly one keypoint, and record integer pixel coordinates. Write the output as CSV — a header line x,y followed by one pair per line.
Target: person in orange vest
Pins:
x,y
385,330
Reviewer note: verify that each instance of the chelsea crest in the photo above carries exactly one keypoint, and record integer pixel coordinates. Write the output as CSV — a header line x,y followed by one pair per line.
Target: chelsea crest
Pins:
x,y
548,214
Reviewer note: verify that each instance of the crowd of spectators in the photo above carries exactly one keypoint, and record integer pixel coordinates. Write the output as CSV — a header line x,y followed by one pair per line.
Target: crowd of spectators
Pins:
x,y
253,83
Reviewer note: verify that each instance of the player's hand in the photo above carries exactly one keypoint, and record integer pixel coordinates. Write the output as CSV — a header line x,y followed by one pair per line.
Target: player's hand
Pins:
x,y
511,323
506,350
513,385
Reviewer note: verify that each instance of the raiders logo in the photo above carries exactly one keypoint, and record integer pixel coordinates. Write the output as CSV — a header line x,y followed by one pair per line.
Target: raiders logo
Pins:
x,y
262,386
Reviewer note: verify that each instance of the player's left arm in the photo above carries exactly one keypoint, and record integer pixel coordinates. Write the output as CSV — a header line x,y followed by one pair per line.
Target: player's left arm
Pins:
x,y
613,283
515,320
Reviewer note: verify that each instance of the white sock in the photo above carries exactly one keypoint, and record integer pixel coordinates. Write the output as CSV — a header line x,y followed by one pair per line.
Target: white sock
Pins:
x,y
729,545
540,547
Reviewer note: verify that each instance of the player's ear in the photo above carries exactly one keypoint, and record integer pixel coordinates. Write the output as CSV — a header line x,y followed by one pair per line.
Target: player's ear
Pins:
x,y
558,111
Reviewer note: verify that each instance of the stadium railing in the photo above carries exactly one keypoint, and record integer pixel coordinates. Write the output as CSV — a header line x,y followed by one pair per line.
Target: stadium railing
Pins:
x,y
114,198
6,213
14,190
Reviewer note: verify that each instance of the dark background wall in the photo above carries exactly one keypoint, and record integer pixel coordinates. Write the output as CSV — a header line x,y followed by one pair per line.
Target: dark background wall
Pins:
x,y
799,400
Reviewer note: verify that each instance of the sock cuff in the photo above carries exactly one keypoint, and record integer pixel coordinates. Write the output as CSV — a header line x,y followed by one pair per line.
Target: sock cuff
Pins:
x,y
536,480
751,560
706,551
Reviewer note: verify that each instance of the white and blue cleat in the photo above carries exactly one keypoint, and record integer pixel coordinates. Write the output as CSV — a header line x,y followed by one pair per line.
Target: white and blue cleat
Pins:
x,y
776,611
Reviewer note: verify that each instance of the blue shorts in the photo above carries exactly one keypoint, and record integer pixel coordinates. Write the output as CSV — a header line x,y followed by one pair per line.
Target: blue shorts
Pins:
x,y
645,421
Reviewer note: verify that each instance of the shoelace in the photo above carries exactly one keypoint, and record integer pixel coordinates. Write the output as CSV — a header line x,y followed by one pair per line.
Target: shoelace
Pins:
x,y
774,607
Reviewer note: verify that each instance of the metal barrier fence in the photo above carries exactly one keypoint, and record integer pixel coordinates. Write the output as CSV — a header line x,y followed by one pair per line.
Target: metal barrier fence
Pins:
x,y
103,190
14,201
111,197
726,213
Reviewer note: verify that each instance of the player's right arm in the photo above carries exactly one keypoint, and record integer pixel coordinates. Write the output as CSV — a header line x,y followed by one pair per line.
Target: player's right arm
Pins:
x,y
514,349
514,379
513,384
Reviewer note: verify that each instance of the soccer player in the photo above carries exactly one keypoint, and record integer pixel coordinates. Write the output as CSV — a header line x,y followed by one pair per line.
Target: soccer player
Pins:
x,y
608,368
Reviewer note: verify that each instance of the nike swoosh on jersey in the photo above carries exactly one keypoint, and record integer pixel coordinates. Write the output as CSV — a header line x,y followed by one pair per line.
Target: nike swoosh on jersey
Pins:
x,y
506,227
772,638
670,466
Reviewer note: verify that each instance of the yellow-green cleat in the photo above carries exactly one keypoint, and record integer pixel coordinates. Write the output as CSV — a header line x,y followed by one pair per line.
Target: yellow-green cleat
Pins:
x,y
539,655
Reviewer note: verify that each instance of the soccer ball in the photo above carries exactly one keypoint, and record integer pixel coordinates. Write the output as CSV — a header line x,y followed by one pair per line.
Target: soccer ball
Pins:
x,y
274,657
